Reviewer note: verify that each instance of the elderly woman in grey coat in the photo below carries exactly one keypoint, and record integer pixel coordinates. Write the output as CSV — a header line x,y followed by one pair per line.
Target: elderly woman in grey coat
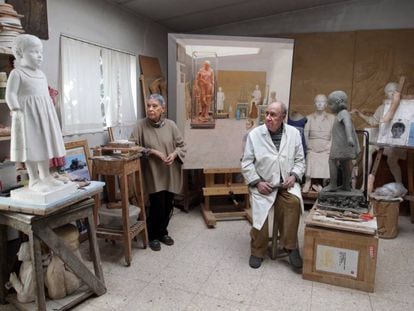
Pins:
x,y
163,157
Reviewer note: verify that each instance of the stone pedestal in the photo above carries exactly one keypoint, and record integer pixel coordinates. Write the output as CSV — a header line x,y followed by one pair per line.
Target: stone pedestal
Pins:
x,y
55,194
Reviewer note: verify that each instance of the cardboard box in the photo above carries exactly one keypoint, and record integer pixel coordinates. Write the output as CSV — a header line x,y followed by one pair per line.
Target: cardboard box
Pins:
x,y
340,258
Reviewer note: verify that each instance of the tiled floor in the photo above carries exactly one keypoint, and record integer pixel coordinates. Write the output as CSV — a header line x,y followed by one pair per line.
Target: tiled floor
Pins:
x,y
207,269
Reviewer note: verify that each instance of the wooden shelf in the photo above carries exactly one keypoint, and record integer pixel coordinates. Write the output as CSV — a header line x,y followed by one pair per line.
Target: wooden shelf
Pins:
x,y
5,138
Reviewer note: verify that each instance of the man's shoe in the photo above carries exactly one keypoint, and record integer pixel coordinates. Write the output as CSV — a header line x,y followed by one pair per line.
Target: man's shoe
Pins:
x,y
294,259
167,240
155,245
255,262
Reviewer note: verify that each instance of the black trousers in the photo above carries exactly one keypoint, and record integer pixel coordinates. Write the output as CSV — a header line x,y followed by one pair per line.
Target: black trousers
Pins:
x,y
160,212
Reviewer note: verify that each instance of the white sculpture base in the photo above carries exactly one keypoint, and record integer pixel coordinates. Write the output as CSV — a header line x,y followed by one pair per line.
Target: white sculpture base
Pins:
x,y
56,193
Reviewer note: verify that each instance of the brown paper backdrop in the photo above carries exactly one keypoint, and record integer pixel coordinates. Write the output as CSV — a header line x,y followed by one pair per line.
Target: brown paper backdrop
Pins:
x,y
358,62
234,83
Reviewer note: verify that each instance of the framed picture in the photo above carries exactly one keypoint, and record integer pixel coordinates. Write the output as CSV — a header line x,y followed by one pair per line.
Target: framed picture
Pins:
x,y
77,162
120,132
242,111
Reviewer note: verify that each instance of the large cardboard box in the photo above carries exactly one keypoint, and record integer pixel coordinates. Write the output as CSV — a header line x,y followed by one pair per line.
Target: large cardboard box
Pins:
x,y
340,258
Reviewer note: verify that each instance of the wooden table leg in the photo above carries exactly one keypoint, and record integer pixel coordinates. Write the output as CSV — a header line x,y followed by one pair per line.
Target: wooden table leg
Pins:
x,y
3,263
36,255
125,218
93,247
410,169
63,252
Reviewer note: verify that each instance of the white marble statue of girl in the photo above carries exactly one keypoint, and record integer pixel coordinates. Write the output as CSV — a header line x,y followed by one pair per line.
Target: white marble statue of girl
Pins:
x,y
35,135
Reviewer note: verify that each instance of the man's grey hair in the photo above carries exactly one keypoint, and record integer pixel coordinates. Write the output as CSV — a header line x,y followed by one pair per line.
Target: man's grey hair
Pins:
x,y
282,105
158,98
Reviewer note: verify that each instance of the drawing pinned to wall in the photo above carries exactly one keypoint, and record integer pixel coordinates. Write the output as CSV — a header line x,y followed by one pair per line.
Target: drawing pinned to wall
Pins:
x,y
396,132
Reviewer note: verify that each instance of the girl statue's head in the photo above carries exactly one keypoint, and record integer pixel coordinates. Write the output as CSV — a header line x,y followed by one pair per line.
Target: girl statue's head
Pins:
x,y
24,48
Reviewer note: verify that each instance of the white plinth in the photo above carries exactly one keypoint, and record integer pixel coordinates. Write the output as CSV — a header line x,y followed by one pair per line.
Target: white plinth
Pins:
x,y
56,193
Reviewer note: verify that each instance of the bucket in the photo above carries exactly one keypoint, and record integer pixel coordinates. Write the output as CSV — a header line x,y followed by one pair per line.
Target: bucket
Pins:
x,y
387,213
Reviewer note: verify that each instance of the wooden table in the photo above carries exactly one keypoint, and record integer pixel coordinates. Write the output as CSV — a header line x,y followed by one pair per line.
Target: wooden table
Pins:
x,y
40,228
128,170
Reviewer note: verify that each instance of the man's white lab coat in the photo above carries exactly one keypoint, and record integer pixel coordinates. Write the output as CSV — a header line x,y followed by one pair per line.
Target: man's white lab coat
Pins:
x,y
261,160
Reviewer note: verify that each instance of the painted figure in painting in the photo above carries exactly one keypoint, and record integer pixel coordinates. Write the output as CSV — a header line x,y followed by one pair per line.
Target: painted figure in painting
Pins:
x,y
345,145
205,90
36,136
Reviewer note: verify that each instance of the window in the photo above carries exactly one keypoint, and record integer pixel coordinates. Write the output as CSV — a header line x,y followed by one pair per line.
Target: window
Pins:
x,y
99,87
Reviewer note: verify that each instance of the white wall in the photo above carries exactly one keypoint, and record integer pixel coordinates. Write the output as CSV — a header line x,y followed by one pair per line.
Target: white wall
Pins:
x,y
105,24
347,16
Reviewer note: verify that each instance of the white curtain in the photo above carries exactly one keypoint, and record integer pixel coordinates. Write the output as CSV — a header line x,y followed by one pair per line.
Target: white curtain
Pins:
x,y
81,80
119,72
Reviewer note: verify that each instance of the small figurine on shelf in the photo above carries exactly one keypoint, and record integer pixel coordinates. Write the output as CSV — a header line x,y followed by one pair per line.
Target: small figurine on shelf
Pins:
x,y
256,100
220,100
35,135
345,145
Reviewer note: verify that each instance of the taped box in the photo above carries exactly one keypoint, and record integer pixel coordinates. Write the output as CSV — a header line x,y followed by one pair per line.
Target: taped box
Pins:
x,y
340,258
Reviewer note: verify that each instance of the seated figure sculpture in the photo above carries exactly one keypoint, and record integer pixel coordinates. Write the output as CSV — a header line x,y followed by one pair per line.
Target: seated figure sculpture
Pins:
x,y
318,132
345,145
35,135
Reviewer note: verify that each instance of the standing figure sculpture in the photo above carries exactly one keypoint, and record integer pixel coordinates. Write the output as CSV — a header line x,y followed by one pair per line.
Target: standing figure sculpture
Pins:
x,y
35,136
256,100
318,132
393,154
345,146
220,100
205,90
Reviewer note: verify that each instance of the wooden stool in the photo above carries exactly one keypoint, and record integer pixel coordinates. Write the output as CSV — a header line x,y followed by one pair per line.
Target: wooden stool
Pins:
x,y
128,170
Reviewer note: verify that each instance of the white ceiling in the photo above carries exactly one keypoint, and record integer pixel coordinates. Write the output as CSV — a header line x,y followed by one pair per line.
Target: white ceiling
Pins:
x,y
193,15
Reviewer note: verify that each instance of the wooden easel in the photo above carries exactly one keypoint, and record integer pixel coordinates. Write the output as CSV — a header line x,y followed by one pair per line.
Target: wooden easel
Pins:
x,y
224,184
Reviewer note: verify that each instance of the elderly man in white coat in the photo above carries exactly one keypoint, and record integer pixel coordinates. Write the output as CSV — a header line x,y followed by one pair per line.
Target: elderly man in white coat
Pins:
x,y
273,165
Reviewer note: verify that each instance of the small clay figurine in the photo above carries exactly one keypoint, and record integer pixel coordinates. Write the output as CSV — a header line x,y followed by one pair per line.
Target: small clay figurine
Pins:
x,y
25,283
345,146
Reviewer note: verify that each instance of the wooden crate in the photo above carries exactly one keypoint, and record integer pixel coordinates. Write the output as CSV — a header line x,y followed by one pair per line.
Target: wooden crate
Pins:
x,y
340,258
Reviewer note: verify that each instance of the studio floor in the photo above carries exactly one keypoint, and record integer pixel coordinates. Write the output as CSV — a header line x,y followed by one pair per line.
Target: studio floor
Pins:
x,y
207,269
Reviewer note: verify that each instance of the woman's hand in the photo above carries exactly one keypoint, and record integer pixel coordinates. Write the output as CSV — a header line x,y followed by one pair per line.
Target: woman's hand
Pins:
x,y
158,154
170,158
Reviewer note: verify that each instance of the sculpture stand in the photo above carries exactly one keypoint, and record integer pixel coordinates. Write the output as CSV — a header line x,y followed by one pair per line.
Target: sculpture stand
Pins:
x,y
55,193
353,201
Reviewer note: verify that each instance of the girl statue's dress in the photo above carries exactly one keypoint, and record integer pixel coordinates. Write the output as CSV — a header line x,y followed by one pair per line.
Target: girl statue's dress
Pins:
x,y
36,130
